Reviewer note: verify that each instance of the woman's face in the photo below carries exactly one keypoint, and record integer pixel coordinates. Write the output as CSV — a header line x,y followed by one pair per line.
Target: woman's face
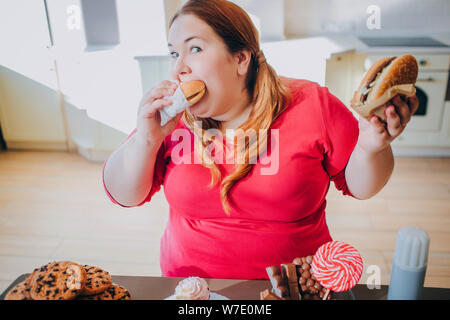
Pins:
x,y
198,53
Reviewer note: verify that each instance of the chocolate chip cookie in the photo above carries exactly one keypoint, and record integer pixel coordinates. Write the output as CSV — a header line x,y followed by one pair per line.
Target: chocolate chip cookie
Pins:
x,y
98,280
115,292
19,292
62,280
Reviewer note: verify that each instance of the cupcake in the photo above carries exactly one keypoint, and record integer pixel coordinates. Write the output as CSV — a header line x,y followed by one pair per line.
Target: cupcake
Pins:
x,y
192,288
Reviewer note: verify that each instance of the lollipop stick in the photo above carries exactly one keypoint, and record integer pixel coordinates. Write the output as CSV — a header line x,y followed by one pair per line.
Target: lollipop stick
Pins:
x,y
326,294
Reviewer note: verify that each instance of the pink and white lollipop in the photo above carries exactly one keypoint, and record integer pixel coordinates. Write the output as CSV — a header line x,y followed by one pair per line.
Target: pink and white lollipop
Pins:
x,y
337,266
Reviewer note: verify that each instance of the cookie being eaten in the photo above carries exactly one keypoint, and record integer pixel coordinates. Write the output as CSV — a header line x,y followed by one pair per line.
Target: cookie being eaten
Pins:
x,y
62,280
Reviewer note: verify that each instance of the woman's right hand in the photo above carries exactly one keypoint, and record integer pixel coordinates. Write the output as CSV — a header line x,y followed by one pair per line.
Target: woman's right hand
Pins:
x,y
149,127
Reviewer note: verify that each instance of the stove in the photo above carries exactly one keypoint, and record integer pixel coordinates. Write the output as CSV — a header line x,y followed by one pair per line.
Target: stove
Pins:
x,y
403,42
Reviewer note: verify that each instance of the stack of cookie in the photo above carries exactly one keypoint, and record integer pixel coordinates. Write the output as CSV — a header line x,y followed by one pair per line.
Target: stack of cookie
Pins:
x,y
66,280
294,282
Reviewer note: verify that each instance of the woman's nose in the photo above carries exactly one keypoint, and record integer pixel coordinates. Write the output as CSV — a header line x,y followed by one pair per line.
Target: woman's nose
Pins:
x,y
181,67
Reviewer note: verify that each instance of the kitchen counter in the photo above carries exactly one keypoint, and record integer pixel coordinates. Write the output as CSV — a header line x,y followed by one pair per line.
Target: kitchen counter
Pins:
x,y
307,57
348,43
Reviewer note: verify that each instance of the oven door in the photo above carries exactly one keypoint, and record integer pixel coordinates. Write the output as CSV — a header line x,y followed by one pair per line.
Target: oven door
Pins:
x,y
431,88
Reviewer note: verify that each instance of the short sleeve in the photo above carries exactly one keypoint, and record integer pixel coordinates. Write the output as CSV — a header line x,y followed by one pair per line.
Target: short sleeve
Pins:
x,y
341,135
158,175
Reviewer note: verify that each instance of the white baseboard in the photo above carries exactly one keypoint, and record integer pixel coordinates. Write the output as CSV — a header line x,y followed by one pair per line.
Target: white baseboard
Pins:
x,y
89,153
37,145
97,155
422,152
94,155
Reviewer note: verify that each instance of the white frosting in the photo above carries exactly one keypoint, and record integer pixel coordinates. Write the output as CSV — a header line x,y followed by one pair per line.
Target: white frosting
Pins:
x,y
192,288
179,104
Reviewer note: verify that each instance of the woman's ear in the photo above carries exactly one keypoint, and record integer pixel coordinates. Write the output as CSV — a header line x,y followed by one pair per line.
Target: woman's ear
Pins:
x,y
243,59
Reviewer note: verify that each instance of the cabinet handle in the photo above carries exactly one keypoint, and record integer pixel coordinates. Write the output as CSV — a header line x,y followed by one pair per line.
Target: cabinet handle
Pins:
x,y
423,62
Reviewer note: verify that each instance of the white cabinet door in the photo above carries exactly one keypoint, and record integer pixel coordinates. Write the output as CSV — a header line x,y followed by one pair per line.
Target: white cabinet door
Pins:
x,y
25,40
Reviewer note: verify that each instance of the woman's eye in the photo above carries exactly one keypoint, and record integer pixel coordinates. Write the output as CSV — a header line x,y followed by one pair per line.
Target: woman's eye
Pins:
x,y
176,55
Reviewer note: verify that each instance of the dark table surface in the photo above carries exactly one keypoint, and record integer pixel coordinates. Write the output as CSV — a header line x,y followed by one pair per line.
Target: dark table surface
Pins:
x,y
159,288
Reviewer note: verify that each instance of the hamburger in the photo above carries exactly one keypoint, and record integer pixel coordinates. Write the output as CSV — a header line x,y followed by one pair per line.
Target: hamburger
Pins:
x,y
187,94
387,78
193,90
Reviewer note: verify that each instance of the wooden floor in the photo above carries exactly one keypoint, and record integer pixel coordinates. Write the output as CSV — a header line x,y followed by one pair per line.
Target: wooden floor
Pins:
x,y
53,207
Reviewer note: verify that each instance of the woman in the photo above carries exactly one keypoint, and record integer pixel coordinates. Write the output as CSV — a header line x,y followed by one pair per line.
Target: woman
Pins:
x,y
245,221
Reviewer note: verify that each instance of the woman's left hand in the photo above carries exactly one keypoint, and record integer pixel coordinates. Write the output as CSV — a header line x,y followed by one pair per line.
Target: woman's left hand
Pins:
x,y
375,136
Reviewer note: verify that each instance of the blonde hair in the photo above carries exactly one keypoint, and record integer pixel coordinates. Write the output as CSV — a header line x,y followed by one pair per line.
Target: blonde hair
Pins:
x,y
268,95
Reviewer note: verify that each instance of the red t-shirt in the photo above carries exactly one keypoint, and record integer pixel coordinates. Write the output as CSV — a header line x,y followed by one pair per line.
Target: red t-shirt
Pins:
x,y
280,216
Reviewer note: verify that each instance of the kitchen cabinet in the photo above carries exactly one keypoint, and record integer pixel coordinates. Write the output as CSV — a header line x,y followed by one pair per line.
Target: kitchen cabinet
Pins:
x,y
30,110
343,74
79,25
153,70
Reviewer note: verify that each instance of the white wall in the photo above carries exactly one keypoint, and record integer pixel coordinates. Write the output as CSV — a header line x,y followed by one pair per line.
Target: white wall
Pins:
x,y
268,16
398,17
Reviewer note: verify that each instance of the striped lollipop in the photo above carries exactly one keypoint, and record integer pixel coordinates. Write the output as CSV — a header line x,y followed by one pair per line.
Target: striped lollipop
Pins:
x,y
337,266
